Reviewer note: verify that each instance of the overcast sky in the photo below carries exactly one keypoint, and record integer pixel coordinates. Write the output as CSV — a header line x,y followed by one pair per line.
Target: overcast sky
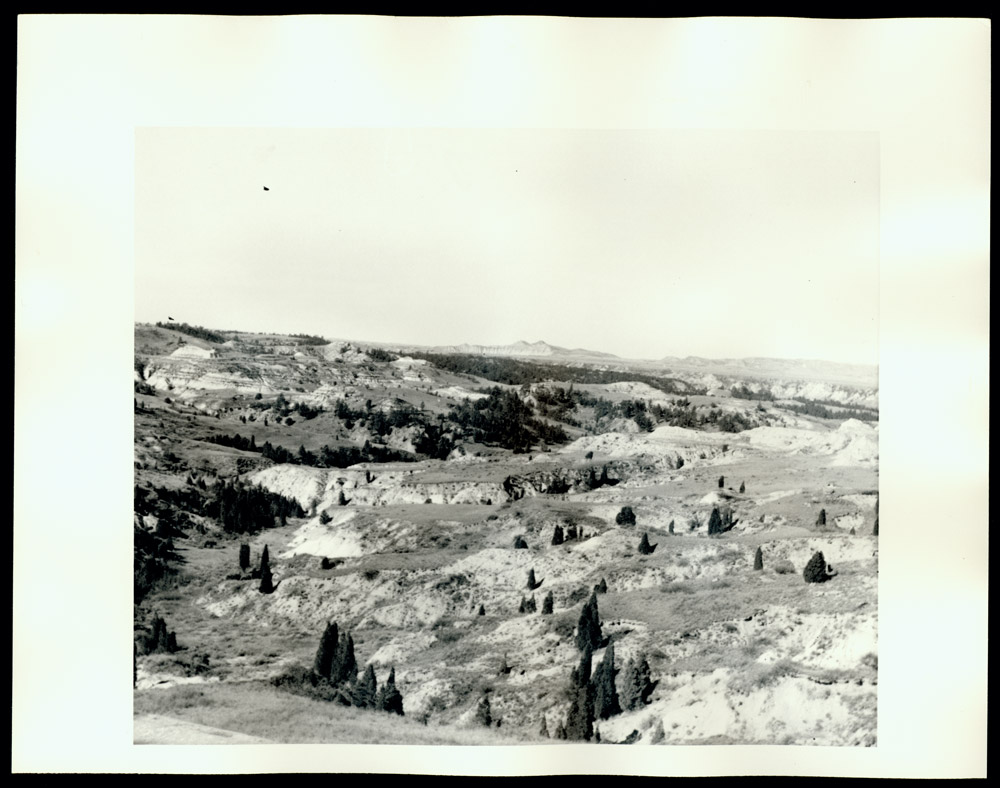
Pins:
x,y
640,243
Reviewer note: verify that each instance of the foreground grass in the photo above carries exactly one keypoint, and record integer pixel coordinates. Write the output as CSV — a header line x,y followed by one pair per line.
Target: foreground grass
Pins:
x,y
257,709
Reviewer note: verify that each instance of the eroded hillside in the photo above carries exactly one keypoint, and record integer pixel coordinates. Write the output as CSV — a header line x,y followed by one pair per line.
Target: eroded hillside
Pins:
x,y
436,516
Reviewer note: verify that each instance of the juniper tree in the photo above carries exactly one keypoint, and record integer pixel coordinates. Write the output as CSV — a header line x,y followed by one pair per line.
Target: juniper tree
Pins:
x,y
557,535
345,666
543,731
602,587
715,522
482,611
389,698
571,533
815,570
580,720
743,487
244,557
523,606
670,528
722,482
605,694
758,560
547,604
326,651
625,517
588,630
645,548
530,606
366,690
638,685
532,585
266,584
519,543
821,520
483,715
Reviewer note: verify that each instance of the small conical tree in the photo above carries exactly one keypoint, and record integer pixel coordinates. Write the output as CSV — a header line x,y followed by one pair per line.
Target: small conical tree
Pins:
x,y
532,585
743,487
602,587
722,482
504,668
543,731
266,583
580,720
605,694
519,543
638,685
821,520
389,698
758,560
326,651
588,630
625,517
345,666
529,606
557,535
645,548
547,604
815,570
670,528
482,611
715,522
483,715
523,606
366,690
244,557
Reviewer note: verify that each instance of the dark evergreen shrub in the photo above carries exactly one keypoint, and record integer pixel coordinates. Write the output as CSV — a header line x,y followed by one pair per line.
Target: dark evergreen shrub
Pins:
x,y
758,560
645,548
547,604
815,571
625,517
244,557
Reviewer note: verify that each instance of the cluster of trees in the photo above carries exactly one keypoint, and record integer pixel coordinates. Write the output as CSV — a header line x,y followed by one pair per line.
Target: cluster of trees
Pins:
x,y
503,419
721,522
236,441
593,696
822,409
742,392
334,677
519,373
158,639
309,339
636,410
194,331
378,354
247,508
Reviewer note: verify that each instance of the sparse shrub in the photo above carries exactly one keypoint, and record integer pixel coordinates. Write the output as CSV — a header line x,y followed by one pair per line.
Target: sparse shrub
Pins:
x,y
571,533
341,499
625,517
694,523
657,735
784,567
816,570
758,560
589,455
645,548
547,604
370,574
680,462
543,731
324,518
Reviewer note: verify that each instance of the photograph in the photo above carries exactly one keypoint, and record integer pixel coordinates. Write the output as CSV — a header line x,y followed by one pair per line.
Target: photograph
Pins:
x,y
366,502
512,396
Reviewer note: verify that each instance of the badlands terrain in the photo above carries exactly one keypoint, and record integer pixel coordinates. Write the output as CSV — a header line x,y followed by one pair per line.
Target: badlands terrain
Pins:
x,y
415,497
